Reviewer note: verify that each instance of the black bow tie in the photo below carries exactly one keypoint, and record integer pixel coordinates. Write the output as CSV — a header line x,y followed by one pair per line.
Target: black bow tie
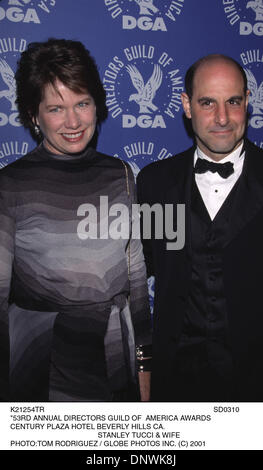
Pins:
x,y
223,169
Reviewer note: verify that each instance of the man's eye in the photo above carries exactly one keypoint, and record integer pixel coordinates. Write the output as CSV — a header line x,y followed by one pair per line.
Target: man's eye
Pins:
x,y
234,102
206,103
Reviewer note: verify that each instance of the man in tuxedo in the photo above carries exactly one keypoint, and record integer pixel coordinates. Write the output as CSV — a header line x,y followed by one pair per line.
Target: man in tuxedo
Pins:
x,y
208,312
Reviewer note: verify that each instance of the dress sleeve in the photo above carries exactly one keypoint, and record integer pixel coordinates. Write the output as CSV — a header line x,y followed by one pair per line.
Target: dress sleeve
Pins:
x,y
7,236
139,298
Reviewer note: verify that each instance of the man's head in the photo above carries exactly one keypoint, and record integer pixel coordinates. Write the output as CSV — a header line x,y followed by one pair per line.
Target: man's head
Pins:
x,y
216,100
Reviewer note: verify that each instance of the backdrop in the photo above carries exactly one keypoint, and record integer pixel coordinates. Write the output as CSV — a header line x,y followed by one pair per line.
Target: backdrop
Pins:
x,y
129,38
158,38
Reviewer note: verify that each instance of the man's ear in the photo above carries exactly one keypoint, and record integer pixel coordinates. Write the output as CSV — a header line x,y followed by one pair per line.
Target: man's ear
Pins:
x,y
186,105
247,98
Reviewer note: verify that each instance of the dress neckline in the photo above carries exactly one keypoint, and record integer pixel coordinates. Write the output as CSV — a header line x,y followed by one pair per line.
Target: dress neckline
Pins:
x,y
71,158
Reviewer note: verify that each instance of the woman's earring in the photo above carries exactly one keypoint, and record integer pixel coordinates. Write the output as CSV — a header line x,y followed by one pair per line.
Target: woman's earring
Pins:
x,y
37,130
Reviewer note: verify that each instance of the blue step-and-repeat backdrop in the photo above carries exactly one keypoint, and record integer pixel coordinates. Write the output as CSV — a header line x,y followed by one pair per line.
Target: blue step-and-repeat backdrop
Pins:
x,y
155,39
131,39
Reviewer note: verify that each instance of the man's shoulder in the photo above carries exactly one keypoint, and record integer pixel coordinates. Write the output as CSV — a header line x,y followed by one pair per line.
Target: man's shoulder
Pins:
x,y
254,156
163,168
251,148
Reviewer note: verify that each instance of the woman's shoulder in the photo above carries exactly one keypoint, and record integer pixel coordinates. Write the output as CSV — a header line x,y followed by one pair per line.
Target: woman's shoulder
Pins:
x,y
112,161
12,168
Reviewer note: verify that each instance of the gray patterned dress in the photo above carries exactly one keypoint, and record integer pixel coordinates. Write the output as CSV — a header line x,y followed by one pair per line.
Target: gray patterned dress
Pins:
x,y
67,331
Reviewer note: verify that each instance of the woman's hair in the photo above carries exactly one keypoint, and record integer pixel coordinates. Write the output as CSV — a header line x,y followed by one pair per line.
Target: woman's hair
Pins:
x,y
42,63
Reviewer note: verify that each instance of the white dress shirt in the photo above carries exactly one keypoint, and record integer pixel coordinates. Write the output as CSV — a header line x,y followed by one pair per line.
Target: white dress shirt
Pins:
x,y
213,188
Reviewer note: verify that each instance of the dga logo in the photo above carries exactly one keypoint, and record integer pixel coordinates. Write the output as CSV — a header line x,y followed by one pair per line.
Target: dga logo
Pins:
x,y
11,151
141,153
21,10
248,14
146,15
8,78
252,61
151,283
10,50
143,86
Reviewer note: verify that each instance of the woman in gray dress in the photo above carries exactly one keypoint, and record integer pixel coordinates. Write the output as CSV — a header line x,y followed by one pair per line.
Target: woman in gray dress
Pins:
x,y
73,292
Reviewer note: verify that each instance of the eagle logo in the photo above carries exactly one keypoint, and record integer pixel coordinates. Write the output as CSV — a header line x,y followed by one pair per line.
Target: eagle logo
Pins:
x,y
146,7
256,93
8,77
151,282
135,169
146,93
257,6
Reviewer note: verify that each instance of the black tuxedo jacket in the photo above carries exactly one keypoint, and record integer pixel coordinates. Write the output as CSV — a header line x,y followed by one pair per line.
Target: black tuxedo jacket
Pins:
x,y
169,182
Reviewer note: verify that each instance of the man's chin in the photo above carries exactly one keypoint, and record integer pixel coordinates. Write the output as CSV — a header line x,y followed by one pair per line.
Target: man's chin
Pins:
x,y
220,150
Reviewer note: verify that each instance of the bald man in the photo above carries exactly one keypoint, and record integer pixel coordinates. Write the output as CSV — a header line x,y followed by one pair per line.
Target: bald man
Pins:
x,y
208,312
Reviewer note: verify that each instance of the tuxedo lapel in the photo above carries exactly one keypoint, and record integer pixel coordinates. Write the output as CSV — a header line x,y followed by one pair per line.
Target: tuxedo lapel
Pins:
x,y
247,202
179,189
249,198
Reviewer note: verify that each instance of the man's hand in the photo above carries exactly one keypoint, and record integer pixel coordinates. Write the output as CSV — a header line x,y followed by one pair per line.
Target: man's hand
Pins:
x,y
145,385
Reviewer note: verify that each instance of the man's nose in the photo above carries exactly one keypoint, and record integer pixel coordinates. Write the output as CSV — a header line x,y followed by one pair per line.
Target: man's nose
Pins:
x,y
221,116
